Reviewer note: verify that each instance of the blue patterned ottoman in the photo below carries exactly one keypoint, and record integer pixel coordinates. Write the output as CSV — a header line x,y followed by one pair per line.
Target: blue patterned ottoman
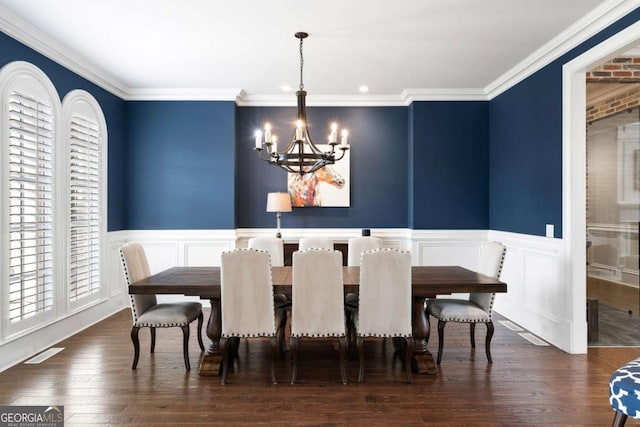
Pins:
x,y
624,392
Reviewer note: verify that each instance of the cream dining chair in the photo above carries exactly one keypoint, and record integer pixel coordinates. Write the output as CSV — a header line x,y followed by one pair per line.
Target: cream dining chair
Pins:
x,y
317,301
275,247
356,246
146,311
248,311
385,305
314,243
478,308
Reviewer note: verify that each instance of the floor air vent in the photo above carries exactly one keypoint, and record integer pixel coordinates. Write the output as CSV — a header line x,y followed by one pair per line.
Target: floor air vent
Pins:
x,y
44,355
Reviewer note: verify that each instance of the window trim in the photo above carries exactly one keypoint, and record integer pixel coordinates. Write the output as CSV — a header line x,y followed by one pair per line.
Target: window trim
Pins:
x,y
81,101
12,75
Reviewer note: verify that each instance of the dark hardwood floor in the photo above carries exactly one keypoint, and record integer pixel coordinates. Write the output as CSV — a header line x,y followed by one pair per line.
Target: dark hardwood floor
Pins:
x,y
526,384
617,328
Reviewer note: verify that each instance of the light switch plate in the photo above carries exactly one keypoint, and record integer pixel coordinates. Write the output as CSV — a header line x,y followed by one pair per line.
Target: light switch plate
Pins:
x,y
549,230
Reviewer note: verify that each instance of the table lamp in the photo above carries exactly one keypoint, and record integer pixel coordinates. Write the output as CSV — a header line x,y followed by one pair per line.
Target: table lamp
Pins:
x,y
278,202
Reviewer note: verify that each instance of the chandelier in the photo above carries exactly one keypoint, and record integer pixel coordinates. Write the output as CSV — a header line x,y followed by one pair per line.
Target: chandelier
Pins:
x,y
301,155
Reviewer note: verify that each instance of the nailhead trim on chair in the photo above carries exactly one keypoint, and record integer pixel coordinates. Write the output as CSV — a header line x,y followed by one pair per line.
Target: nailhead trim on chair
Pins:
x,y
133,307
262,334
319,335
128,279
493,295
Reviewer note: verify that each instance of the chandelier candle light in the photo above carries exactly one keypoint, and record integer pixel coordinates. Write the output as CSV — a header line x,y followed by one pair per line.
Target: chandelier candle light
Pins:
x,y
301,155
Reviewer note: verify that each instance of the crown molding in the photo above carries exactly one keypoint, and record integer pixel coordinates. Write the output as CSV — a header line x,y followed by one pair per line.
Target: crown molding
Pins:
x,y
289,100
184,94
598,19
30,36
590,24
452,94
403,99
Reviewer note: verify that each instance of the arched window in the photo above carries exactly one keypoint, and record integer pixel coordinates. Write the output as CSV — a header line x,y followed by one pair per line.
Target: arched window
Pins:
x,y
85,135
29,169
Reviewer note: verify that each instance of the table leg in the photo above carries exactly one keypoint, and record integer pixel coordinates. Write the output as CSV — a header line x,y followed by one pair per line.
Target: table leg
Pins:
x,y
423,362
211,361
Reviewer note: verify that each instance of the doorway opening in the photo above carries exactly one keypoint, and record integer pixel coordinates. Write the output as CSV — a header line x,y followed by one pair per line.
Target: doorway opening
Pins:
x,y
612,216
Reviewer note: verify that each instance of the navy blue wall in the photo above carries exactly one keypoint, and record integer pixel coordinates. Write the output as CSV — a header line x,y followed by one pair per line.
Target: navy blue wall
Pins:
x,y
434,165
112,107
450,165
526,146
180,168
379,193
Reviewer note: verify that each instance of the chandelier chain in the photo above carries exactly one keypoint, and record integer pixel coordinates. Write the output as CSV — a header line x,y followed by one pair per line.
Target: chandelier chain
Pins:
x,y
301,65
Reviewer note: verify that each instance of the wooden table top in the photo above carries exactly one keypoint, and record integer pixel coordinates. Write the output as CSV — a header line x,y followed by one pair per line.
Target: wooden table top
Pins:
x,y
426,281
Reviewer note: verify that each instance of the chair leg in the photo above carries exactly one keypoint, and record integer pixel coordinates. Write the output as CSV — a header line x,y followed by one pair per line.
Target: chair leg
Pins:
x,y
360,345
294,357
200,320
274,350
440,339
472,333
281,334
408,356
343,356
428,331
619,419
185,346
487,343
153,339
347,315
136,346
224,363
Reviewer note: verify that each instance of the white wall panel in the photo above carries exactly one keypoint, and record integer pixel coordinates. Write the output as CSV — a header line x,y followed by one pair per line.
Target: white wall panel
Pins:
x,y
203,255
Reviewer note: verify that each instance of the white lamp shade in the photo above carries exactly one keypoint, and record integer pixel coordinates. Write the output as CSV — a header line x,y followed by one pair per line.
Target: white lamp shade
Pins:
x,y
278,202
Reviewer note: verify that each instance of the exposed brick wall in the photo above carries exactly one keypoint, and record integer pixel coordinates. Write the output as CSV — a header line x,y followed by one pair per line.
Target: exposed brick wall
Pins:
x,y
618,70
624,69
613,105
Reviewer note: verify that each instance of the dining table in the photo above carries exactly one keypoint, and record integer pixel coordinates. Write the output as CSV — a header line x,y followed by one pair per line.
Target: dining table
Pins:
x,y
426,282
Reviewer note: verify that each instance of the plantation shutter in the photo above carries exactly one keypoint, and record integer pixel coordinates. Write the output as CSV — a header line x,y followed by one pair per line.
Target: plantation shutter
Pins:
x,y
85,195
31,213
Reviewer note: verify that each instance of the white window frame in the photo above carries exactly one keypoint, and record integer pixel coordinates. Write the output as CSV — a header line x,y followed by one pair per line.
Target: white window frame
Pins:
x,y
82,103
25,77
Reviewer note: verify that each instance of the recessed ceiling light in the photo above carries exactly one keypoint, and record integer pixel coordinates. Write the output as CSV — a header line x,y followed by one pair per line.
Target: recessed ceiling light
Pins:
x,y
363,89
285,88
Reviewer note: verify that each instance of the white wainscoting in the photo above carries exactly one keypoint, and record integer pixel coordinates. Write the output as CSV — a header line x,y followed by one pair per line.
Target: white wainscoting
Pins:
x,y
113,299
537,296
533,270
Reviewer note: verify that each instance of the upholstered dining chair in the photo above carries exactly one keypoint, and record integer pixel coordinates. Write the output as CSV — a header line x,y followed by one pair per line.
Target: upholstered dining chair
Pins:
x,y
478,308
314,243
385,306
275,247
317,301
246,297
356,246
146,311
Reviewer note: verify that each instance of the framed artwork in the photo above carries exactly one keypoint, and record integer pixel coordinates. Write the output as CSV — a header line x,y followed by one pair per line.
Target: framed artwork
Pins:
x,y
327,187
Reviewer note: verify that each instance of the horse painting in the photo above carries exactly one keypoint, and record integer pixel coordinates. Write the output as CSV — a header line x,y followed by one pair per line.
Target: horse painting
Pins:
x,y
305,189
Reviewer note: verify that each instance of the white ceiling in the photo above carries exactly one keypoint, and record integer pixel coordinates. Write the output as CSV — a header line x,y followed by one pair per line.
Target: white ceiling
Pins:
x,y
210,46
